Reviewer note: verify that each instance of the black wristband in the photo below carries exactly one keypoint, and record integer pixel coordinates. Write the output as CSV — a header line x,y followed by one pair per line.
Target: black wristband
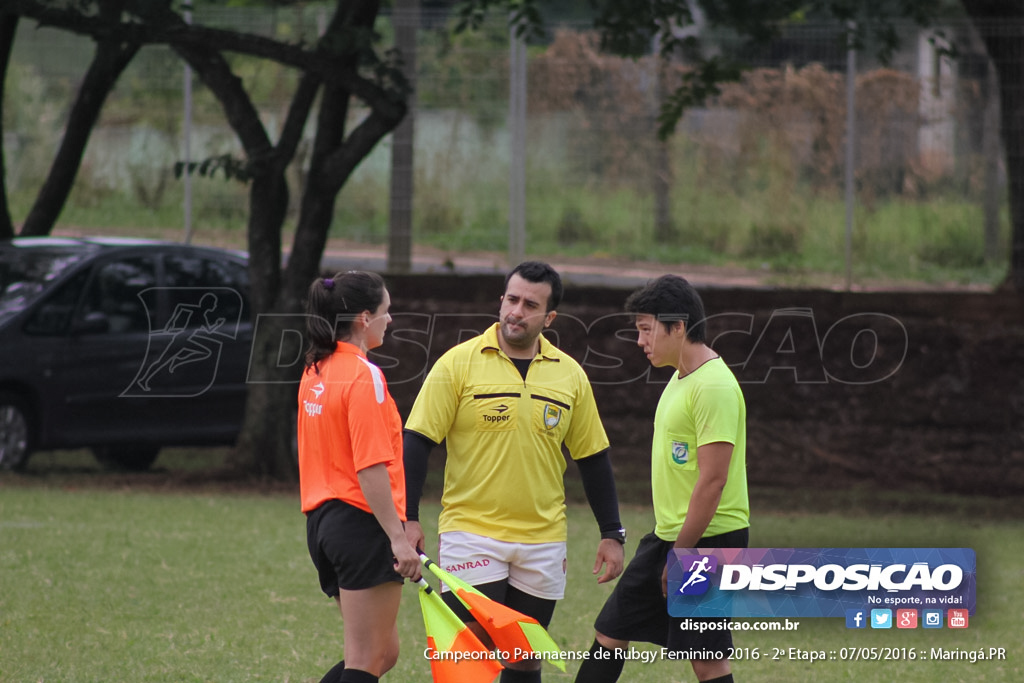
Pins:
x,y
617,535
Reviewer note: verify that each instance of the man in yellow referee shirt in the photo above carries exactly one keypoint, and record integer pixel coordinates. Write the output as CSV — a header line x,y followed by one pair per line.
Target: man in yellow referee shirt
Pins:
x,y
505,402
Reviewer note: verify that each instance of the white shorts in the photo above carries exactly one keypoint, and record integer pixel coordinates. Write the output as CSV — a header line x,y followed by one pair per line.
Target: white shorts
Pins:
x,y
537,569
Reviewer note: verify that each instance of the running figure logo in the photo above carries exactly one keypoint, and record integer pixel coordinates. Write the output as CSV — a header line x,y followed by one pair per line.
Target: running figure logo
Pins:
x,y
696,580
193,336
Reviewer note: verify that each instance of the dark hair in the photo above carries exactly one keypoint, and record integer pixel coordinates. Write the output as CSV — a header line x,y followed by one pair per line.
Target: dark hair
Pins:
x,y
535,271
671,299
332,305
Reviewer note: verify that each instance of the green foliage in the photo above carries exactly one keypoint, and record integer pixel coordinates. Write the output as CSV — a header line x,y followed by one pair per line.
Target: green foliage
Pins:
x,y
449,68
573,229
524,15
754,197
957,246
698,86
229,166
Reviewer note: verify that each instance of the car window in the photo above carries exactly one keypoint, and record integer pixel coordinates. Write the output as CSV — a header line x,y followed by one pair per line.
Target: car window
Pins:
x,y
189,277
53,316
113,292
25,275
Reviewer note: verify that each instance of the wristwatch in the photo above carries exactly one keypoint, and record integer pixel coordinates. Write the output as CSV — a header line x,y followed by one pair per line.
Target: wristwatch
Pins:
x,y
617,535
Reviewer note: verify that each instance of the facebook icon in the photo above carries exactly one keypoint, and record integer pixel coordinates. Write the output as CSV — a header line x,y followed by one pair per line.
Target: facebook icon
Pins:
x,y
856,618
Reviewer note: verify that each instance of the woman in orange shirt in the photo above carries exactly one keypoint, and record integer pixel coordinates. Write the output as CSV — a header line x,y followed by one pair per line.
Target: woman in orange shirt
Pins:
x,y
351,477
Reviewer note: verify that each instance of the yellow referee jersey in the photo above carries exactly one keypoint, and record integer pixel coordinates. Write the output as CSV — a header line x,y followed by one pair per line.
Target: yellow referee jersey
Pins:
x,y
503,477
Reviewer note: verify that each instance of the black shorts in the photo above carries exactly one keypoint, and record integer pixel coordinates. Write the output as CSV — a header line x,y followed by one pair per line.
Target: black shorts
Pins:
x,y
349,548
637,611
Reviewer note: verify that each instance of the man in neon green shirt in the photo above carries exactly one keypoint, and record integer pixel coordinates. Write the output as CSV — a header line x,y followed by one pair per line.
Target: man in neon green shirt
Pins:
x,y
698,481
505,402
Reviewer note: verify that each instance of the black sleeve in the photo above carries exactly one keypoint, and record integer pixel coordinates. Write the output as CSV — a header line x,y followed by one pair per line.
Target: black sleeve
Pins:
x,y
599,486
415,452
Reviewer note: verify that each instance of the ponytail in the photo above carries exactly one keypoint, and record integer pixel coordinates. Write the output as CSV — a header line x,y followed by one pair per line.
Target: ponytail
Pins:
x,y
331,306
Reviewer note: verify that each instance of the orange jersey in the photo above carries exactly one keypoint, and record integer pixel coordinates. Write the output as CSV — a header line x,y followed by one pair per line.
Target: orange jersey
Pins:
x,y
347,422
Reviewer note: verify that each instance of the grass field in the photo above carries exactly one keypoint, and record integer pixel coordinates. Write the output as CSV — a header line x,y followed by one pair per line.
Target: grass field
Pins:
x,y
118,583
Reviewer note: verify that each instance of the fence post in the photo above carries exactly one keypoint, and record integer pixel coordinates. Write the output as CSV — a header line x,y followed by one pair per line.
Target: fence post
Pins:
x,y
851,120
406,19
517,143
187,138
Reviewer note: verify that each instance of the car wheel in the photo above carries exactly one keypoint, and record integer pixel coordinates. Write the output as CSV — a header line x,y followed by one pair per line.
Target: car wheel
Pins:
x,y
131,458
15,432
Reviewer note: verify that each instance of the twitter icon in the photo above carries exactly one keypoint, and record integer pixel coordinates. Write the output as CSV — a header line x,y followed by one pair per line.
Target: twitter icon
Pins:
x,y
881,618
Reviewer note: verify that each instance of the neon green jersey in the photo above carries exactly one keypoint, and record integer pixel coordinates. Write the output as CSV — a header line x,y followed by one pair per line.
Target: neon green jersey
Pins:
x,y
706,406
503,476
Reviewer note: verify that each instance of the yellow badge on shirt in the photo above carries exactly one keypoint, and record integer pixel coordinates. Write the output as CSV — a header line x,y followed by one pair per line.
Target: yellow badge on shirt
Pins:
x,y
552,416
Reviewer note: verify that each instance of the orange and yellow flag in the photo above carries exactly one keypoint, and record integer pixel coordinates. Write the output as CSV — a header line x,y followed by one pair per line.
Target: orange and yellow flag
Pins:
x,y
515,634
456,654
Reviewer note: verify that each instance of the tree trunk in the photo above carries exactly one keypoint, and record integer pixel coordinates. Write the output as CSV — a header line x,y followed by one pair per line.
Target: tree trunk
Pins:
x,y
266,438
264,446
992,197
109,62
999,25
1011,84
335,156
267,433
8,27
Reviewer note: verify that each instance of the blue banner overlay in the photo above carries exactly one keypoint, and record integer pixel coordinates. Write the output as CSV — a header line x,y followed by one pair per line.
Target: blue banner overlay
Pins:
x,y
818,582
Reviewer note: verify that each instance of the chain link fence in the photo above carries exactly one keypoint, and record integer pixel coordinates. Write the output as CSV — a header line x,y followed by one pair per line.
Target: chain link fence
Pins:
x,y
756,176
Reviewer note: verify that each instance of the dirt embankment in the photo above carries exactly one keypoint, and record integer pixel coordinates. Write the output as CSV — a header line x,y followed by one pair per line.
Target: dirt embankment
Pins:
x,y
903,390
